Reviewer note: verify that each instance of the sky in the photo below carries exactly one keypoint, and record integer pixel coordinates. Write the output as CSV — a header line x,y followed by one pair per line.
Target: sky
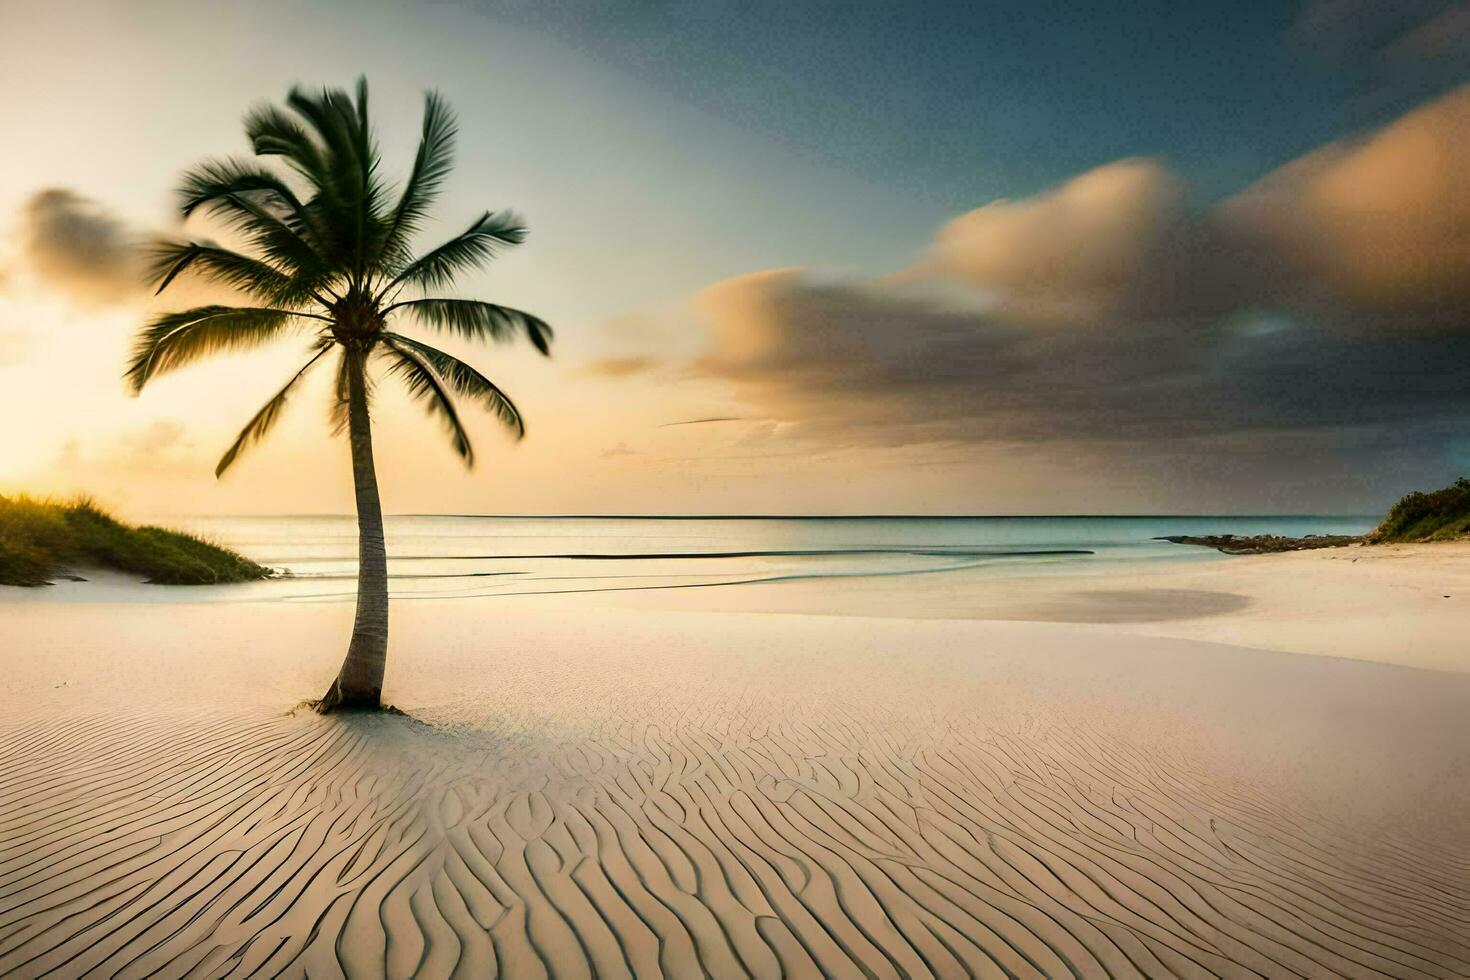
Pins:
x,y
801,258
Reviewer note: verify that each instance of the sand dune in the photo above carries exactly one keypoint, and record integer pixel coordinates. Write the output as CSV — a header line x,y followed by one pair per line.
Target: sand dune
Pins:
x,y
684,795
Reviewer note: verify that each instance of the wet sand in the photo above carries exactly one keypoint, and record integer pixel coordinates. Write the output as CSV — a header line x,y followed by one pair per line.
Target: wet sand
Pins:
x,y
602,792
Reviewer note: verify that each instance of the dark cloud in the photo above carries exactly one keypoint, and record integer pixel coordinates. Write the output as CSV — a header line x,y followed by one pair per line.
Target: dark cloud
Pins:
x,y
1445,35
1391,53
76,247
854,364
1348,30
1322,311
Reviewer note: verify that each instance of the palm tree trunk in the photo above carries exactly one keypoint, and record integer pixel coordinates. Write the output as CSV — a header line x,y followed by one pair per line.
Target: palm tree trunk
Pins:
x,y
359,683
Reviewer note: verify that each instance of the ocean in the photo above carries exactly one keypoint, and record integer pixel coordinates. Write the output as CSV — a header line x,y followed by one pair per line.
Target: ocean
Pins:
x,y
483,558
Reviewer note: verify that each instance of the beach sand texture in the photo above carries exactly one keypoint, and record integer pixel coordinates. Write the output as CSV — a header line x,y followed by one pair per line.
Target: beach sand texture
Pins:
x,y
1402,604
686,794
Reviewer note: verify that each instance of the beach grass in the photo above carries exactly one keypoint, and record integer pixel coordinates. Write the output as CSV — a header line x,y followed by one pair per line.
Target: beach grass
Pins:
x,y
42,539
1442,515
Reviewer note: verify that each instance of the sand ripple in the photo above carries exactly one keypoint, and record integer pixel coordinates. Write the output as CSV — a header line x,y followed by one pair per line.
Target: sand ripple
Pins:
x,y
718,843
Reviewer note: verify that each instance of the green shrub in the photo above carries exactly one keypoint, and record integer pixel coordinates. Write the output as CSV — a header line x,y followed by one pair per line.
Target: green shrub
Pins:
x,y
39,539
1439,516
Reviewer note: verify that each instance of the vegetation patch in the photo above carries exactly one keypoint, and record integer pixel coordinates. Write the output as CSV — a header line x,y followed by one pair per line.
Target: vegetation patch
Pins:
x,y
41,539
1442,515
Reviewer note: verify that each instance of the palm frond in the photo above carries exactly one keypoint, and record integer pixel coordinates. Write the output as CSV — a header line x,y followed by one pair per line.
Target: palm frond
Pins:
x,y
274,133
475,319
352,190
425,384
321,238
310,274
216,179
470,249
367,152
432,163
226,267
173,340
465,380
259,203
260,425
321,113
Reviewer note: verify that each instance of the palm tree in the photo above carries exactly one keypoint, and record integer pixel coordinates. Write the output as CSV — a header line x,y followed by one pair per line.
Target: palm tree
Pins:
x,y
328,256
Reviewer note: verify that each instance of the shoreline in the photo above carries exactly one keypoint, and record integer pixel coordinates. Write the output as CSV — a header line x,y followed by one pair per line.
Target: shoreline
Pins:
x,y
1403,604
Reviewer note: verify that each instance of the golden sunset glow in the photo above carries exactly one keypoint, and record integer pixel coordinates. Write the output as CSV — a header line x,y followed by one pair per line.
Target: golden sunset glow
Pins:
x,y
650,260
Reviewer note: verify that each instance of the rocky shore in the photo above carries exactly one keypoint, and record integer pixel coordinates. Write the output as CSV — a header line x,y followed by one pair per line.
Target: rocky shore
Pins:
x,y
1260,544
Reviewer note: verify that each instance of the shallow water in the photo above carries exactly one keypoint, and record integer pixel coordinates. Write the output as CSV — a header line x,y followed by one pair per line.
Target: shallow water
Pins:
x,y
482,557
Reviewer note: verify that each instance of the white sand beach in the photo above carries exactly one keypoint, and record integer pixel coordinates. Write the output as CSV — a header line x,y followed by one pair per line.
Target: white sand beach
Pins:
x,y
714,490
685,791
1400,604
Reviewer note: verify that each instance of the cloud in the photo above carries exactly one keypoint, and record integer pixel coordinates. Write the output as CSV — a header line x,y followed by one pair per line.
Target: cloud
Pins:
x,y
1102,245
1344,30
160,447
160,436
76,247
618,367
1330,298
1357,231
1377,227
847,363
703,421
1391,52
1443,35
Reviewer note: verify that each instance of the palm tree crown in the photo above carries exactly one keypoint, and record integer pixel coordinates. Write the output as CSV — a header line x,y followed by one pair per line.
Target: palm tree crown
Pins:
x,y
329,254
333,258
